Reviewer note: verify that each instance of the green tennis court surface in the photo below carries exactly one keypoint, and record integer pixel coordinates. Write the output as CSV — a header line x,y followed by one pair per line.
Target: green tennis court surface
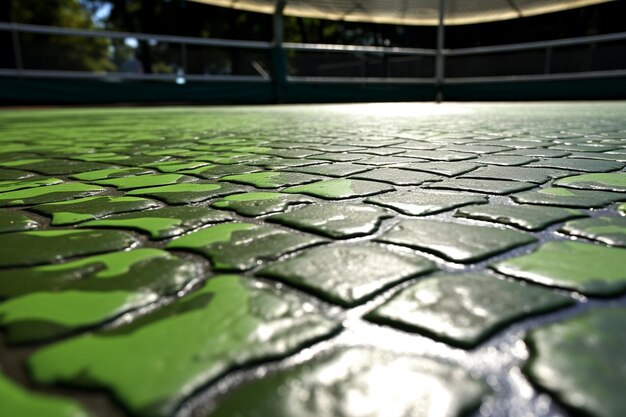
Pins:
x,y
358,260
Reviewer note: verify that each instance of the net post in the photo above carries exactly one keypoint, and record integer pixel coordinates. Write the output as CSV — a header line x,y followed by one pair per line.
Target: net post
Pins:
x,y
279,67
440,59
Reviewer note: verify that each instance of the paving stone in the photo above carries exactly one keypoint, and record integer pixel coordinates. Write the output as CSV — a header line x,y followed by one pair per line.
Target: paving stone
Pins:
x,y
525,217
449,169
383,151
464,309
557,196
59,299
585,147
397,176
155,362
456,138
218,171
17,157
534,175
477,149
439,155
380,161
290,153
55,245
177,165
14,221
588,268
269,179
13,185
225,159
455,242
377,142
54,166
89,208
259,203
584,165
202,146
166,152
339,169
242,246
539,153
49,194
605,182
338,221
100,156
138,160
522,144
419,145
165,222
284,165
143,181
334,148
609,230
419,203
89,273
482,186
187,193
14,174
109,173
582,362
610,156
341,157
347,275
20,402
506,160
355,382
340,188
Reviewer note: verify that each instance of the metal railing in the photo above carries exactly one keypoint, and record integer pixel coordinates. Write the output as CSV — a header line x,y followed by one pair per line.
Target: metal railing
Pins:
x,y
546,53
180,59
181,43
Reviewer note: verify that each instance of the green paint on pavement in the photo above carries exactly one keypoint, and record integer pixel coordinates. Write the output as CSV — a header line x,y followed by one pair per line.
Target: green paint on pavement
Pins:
x,y
14,221
19,402
588,268
163,222
186,193
49,194
609,230
606,182
154,363
56,245
143,181
89,208
340,188
582,362
241,246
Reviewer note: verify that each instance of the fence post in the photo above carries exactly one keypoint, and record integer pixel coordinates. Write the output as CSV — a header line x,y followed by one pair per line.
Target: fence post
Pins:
x,y
440,70
279,64
183,57
17,48
548,60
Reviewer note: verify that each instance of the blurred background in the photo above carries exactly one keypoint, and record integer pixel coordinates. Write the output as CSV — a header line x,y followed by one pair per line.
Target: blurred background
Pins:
x,y
169,51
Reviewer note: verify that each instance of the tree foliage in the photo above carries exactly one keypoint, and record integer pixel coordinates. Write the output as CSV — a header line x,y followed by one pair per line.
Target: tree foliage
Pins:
x,y
76,53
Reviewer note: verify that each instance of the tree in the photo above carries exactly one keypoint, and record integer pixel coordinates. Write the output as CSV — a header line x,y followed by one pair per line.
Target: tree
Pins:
x,y
76,53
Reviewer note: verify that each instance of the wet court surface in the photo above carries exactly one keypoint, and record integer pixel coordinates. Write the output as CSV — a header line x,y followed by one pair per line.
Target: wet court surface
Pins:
x,y
351,260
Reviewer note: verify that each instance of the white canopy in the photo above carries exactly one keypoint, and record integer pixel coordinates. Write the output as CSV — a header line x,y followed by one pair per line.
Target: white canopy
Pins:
x,y
408,12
